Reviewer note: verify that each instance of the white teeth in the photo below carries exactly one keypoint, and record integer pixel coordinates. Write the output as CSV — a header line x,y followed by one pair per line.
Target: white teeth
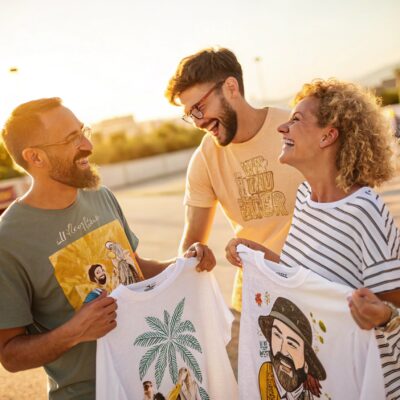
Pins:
x,y
212,126
288,142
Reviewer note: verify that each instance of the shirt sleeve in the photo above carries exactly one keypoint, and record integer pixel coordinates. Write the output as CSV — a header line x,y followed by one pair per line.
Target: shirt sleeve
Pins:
x,y
15,294
381,249
199,191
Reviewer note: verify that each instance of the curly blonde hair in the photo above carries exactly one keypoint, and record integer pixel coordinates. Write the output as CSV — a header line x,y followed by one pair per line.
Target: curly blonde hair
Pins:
x,y
364,153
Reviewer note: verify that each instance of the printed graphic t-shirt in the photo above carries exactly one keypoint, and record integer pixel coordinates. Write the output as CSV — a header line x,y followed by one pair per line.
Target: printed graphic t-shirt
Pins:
x,y
257,192
295,323
173,326
50,260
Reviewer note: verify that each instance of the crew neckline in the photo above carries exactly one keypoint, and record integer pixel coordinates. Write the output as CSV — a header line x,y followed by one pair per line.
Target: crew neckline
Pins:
x,y
28,207
161,281
295,276
337,203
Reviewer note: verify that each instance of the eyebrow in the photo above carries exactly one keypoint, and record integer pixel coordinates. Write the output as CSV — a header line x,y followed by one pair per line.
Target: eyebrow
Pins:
x,y
297,112
293,340
75,132
274,326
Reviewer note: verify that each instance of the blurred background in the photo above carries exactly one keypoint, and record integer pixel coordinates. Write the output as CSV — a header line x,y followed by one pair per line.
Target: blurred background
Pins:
x,y
110,62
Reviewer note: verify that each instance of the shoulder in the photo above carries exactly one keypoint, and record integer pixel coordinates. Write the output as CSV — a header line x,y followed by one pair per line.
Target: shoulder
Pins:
x,y
206,152
279,113
303,192
102,192
367,202
12,217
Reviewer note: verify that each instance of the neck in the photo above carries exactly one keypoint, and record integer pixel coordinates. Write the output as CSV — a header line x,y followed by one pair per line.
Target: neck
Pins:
x,y
324,188
250,121
49,195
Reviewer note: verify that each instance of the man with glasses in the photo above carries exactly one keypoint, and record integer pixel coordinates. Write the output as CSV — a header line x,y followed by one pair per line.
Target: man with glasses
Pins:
x,y
237,162
49,240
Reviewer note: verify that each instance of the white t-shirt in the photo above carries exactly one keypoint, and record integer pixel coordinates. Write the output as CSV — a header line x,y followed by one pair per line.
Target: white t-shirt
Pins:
x,y
308,321
167,325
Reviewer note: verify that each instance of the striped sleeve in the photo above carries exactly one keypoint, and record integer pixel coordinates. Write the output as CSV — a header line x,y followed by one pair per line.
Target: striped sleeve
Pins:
x,y
381,244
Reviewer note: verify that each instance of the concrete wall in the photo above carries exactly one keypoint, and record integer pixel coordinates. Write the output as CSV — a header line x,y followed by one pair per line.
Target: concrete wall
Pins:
x,y
113,175
127,173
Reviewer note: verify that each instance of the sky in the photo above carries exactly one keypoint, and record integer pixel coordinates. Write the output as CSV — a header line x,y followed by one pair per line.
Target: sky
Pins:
x,y
110,58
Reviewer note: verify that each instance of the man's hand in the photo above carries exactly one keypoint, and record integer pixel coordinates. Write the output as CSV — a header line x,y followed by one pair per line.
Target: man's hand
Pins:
x,y
368,310
204,254
94,319
19,351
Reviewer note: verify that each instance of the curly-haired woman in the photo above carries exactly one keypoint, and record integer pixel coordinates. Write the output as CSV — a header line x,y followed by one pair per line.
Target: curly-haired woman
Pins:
x,y
341,229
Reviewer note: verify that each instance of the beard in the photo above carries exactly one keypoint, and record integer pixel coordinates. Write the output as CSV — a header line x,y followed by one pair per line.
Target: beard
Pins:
x,y
289,383
102,279
71,175
228,120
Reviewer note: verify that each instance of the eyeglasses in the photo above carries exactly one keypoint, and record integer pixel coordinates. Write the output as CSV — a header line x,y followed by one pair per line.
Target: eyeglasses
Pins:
x,y
195,112
75,138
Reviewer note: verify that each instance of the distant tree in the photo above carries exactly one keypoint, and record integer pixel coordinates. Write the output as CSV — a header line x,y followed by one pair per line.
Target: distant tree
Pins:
x,y
7,169
168,137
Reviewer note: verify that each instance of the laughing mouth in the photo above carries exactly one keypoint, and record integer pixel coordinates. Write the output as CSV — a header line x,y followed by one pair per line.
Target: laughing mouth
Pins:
x,y
213,127
82,162
288,142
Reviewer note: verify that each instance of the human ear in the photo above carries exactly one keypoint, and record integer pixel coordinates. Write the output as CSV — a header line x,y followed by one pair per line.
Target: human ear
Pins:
x,y
329,137
34,157
232,86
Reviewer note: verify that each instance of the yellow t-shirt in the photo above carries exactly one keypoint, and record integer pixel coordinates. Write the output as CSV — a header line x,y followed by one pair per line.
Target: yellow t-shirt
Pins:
x,y
257,192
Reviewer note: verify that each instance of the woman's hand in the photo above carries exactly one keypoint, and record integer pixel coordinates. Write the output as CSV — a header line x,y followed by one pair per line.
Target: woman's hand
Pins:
x,y
368,310
232,255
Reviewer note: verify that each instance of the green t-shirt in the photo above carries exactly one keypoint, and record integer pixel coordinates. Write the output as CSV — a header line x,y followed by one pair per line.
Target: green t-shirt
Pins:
x,y
49,261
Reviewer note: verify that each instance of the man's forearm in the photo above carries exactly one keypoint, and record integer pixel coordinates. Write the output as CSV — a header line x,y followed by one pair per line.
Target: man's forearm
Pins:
x,y
31,351
152,268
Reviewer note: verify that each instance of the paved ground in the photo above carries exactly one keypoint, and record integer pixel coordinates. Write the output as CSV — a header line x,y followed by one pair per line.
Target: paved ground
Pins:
x,y
155,213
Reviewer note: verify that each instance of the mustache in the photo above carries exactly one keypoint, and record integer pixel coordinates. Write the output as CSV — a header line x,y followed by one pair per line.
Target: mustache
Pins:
x,y
279,357
82,154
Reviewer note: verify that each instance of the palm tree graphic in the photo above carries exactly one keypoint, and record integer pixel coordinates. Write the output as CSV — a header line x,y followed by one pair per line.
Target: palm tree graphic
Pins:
x,y
165,340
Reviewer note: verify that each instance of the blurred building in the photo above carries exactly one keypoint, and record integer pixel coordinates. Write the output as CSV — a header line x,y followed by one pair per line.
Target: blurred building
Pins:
x,y
125,123
129,126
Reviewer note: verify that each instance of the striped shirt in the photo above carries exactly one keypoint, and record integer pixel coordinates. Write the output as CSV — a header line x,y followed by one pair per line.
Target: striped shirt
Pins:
x,y
353,241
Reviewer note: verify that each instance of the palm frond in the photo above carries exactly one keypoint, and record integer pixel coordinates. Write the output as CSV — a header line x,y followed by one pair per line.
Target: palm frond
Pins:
x,y
185,326
172,364
148,339
147,360
157,325
161,364
188,340
190,361
177,315
203,394
167,318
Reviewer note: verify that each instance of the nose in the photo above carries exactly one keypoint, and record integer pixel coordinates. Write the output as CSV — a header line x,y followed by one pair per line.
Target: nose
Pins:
x,y
284,128
86,144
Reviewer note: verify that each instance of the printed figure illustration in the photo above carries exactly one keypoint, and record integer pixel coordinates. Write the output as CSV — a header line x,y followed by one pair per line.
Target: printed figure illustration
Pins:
x,y
186,387
168,341
97,274
148,392
82,279
294,370
125,271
